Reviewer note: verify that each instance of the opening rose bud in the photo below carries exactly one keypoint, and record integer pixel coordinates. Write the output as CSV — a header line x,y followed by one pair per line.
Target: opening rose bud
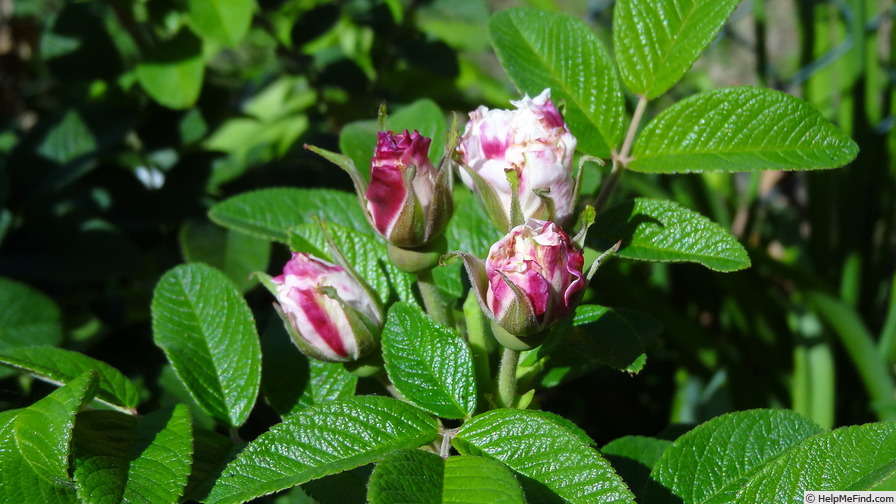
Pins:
x,y
408,200
328,312
531,279
531,141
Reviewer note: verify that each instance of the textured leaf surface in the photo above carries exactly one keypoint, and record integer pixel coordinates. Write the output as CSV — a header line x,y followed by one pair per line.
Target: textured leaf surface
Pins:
x,y
223,22
208,334
661,230
366,253
657,41
634,457
35,442
547,449
57,365
43,431
424,478
27,316
325,439
357,140
850,458
172,71
713,461
271,213
119,458
428,363
547,50
741,129
236,254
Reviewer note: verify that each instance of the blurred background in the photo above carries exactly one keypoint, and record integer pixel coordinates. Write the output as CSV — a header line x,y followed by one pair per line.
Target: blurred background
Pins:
x,y
123,121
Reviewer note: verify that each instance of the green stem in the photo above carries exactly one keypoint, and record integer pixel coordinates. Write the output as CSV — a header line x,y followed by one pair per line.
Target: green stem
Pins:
x,y
435,305
477,337
507,378
621,158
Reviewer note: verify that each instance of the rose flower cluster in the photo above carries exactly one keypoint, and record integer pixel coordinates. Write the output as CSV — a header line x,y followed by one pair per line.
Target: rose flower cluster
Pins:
x,y
519,164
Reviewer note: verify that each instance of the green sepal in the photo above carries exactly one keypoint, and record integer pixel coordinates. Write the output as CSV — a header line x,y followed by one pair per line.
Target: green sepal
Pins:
x,y
516,212
410,228
490,200
349,167
340,259
519,319
586,218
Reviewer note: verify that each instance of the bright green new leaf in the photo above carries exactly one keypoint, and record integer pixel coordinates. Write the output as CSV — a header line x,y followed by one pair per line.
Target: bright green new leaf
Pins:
x,y
223,22
657,41
712,462
120,458
172,71
741,129
664,231
430,364
425,478
547,50
234,253
27,316
208,334
358,140
849,458
56,365
271,213
35,442
43,431
555,456
325,439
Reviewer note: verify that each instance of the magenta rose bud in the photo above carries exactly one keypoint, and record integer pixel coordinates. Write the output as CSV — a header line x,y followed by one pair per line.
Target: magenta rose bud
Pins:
x,y
534,142
408,200
328,313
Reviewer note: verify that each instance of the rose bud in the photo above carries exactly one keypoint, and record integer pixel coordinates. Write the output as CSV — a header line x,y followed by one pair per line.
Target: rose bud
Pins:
x,y
531,279
535,145
408,200
330,314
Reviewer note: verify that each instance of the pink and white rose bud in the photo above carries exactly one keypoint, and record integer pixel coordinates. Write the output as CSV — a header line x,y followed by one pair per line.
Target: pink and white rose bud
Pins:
x,y
533,141
328,313
408,200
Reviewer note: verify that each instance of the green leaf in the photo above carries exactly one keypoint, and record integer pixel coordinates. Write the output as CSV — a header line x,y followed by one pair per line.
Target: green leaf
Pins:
x,y
43,431
664,231
424,478
56,365
321,440
657,41
596,336
34,445
845,459
208,334
234,253
546,50
27,316
553,455
428,363
327,381
741,129
271,213
714,460
223,22
119,458
633,457
366,253
172,71
357,140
